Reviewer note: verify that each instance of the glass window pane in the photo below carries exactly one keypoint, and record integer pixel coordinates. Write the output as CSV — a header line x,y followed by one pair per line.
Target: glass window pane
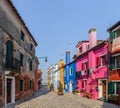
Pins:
x,y
117,87
118,62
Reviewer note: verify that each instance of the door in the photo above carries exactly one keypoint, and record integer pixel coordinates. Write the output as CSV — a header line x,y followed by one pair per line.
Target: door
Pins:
x,y
9,84
71,86
104,88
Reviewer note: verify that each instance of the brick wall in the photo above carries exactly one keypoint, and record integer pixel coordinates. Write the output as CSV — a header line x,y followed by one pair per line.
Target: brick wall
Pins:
x,y
26,90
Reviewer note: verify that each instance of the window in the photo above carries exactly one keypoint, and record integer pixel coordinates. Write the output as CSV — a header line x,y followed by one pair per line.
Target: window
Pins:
x,y
31,65
31,46
71,71
21,85
64,73
21,59
103,60
85,66
117,87
22,36
117,61
80,49
30,84
114,87
9,54
87,47
78,74
117,33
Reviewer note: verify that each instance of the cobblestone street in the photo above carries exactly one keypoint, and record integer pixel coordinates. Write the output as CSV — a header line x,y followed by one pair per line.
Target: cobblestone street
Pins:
x,y
46,99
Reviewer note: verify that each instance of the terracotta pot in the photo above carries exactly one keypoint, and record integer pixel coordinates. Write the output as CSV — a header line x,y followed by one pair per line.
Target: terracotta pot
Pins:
x,y
60,93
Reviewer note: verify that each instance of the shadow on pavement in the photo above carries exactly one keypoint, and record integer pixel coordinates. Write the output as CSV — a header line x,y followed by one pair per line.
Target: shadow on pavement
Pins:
x,y
42,91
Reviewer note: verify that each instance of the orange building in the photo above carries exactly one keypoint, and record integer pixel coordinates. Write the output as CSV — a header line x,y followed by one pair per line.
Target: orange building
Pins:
x,y
114,66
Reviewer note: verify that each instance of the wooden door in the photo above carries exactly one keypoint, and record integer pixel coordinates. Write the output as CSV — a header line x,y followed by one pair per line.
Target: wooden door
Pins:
x,y
104,88
9,81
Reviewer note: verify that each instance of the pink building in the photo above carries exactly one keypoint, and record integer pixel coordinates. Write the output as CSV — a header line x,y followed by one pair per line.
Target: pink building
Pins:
x,y
92,67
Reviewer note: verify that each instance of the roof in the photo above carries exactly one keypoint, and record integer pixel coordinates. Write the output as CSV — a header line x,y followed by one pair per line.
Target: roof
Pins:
x,y
81,42
16,12
95,47
114,26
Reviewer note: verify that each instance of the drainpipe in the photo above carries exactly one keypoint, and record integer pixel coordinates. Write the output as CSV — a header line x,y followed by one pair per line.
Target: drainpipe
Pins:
x,y
108,68
2,70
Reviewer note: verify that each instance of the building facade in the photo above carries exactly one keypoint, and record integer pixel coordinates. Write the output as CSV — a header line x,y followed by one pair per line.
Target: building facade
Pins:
x,y
17,50
56,76
69,74
92,67
114,66
61,66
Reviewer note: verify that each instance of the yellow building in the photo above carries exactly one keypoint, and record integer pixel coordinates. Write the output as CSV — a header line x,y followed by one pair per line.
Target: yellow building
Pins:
x,y
62,72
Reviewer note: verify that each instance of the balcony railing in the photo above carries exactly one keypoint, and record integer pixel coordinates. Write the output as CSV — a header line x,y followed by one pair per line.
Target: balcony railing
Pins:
x,y
116,45
13,64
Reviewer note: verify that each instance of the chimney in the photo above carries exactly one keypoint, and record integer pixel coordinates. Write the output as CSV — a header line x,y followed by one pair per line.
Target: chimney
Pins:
x,y
92,37
67,57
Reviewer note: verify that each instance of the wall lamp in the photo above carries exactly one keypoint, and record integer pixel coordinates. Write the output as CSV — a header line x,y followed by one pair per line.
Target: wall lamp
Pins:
x,y
40,58
43,58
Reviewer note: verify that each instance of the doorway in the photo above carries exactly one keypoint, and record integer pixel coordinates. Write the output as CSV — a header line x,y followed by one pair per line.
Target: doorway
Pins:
x,y
9,84
104,88
9,90
71,87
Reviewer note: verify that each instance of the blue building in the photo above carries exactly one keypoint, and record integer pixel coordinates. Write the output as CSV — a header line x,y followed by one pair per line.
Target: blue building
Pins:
x,y
69,74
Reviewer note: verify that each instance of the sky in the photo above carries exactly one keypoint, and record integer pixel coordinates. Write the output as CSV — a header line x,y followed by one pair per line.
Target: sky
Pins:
x,y
58,25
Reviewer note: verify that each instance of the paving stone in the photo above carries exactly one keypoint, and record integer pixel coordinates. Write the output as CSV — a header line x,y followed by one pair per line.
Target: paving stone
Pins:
x,y
45,99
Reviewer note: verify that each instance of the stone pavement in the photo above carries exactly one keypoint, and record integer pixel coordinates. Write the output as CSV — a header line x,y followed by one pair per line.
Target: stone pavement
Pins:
x,y
45,99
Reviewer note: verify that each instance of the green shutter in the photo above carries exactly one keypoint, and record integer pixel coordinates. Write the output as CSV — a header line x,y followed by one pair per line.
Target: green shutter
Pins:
x,y
112,36
21,85
30,84
31,65
112,63
22,35
111,88
9,54
21,59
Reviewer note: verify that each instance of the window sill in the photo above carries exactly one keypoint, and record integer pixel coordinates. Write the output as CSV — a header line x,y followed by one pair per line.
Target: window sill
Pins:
x,y
115,68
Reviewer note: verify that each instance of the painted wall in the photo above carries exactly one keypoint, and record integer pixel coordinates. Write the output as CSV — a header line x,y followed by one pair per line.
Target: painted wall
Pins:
x,y
62,72
70,77
96,73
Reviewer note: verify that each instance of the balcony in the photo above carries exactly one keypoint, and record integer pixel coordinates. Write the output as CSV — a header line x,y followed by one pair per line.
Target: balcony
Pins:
x,y
116,45
13,65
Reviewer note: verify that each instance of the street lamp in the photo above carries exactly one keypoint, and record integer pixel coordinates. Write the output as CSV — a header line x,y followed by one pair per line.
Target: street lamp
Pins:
x,y
43,58
40,58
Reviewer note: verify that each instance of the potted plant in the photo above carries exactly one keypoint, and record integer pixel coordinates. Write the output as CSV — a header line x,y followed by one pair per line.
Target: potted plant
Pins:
x,y
60,89
89,95
77,92
84,93
51,87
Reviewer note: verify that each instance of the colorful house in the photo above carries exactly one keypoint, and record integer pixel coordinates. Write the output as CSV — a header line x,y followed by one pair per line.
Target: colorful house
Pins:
x,y
92,66
70,74
114,75
56,77
48,77
62,72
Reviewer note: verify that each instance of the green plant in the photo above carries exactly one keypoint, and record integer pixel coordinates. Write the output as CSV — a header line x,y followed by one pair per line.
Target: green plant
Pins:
x,y
60,88
113,98
51,86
